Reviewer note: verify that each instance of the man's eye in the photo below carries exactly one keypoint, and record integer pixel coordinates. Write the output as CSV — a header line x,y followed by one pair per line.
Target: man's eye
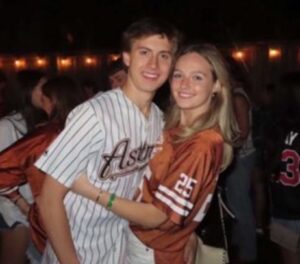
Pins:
x,y
143,52
165,56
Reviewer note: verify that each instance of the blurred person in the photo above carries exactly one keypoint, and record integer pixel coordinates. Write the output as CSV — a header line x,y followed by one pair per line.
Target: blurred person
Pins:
x,y
3,91
117,74
239,175
23,104
179,183
59,95
90,88
283,166
264,120
110,138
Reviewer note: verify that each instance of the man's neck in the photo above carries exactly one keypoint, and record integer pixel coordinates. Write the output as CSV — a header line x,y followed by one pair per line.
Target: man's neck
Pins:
x,y
142,100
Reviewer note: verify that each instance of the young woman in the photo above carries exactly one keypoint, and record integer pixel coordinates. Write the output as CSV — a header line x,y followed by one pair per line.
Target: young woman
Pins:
x,y
58,97
23,109
182,176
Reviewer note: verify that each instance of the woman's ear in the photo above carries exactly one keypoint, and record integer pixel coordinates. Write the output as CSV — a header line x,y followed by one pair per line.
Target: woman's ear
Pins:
x,y
217,87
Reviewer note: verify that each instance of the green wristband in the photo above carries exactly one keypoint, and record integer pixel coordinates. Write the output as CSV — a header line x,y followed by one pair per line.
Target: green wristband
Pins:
x,y
112,197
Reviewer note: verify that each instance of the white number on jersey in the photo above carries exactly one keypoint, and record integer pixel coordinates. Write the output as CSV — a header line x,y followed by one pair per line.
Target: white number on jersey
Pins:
x,y
185,185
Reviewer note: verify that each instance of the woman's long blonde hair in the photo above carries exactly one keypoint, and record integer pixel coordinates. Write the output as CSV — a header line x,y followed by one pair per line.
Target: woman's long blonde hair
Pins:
x,y
221,111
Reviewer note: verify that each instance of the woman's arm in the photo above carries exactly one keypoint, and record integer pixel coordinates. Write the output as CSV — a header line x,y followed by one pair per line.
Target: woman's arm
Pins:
x,y
16,162
142,214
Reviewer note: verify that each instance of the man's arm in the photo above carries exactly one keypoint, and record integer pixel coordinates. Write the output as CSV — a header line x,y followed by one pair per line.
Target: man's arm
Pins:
x,y
55,220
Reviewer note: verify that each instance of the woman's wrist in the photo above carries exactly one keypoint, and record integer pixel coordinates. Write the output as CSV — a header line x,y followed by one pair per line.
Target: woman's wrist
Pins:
x,y
106,199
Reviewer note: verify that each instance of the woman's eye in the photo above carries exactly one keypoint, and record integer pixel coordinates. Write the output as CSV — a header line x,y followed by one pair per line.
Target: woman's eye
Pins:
x,y
197,78
176,75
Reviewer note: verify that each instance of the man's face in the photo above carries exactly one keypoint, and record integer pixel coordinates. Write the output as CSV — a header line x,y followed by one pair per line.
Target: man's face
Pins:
x,y
118,79
149,62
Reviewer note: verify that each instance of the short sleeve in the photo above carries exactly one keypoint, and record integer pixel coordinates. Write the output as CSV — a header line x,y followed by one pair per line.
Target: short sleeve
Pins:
x,y
68,155
17,161
188,184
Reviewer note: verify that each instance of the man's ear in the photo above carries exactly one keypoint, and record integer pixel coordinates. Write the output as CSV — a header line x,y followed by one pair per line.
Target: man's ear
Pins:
x,y
126,58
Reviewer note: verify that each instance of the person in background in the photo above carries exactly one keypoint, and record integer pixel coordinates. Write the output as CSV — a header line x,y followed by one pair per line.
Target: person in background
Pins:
x,y
110,138
117,74
59,96
181,178
3,91
264,120
90,88
239,175
23,104
283,153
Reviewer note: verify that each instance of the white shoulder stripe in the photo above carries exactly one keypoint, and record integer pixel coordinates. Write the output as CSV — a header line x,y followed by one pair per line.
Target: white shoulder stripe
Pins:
x,y
202,211
171,204
176,197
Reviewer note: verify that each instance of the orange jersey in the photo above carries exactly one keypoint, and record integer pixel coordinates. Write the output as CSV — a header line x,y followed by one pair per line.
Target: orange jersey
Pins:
x,y
17,169
181,183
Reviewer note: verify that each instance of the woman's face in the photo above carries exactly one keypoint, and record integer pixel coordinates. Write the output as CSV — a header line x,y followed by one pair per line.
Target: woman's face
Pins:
x,y
36,94
192,84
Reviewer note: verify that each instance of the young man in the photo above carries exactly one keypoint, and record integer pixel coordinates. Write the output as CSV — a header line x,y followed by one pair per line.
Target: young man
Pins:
x,y
110,139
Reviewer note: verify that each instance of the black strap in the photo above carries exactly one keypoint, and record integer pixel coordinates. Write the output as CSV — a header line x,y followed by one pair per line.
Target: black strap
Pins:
x,y
222,208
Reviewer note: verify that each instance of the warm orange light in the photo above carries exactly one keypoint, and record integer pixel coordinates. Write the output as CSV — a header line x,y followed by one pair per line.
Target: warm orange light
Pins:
x,y
41,62
114,57
238,55
90,61
64,63
274,53
20,63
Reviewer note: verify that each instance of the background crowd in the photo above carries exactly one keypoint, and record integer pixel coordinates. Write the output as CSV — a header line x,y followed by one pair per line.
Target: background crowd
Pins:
x,y
261,184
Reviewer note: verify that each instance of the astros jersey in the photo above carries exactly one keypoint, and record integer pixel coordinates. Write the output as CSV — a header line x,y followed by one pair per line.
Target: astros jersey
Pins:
x,y
111,141
183,177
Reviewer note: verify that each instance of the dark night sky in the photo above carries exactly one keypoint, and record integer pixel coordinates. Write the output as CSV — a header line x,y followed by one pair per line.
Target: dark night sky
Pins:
x,y
70,25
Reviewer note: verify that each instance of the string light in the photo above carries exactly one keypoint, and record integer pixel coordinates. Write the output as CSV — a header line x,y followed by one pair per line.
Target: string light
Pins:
x,y
20,63
114,57
41,62
63,63
238,55
90,61
274,53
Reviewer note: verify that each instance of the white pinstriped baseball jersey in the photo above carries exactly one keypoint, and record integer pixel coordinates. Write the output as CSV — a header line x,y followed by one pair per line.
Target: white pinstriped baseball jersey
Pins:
x,y
110,140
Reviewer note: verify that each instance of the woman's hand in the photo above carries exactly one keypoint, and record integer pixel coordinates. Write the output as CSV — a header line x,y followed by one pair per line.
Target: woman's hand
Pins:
x,y
190,249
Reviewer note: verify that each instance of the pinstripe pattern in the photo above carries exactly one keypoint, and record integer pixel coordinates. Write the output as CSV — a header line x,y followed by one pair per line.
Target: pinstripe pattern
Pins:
x,y
110,140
